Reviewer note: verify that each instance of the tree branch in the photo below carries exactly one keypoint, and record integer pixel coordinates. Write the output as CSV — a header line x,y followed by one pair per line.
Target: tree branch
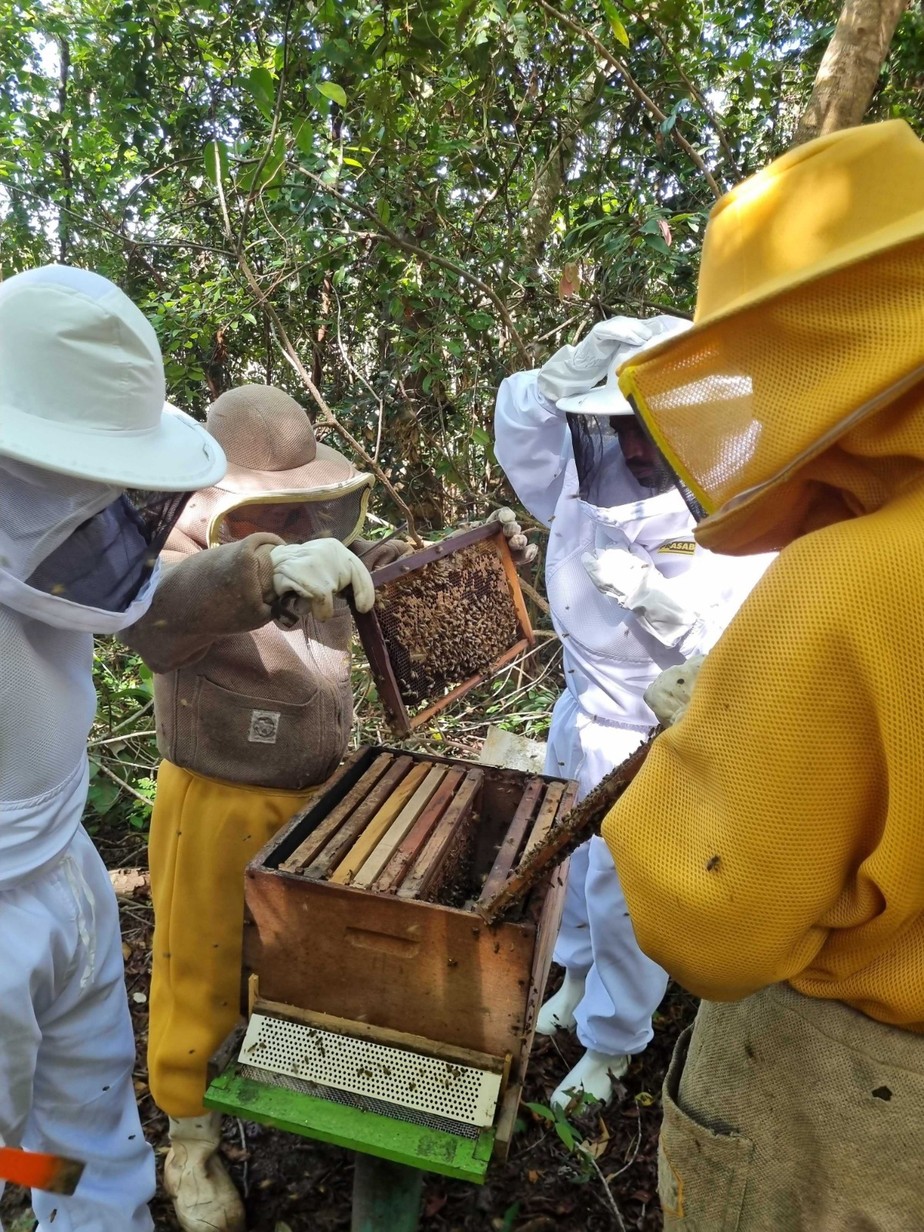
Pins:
x,y
850,67
289,351
614,61
386,233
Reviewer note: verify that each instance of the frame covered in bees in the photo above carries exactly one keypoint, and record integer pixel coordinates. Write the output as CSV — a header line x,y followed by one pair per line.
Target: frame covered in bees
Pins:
x,y
375,979
445,619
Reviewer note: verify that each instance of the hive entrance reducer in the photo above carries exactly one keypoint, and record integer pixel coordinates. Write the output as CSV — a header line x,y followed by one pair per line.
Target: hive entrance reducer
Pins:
x,y
445,619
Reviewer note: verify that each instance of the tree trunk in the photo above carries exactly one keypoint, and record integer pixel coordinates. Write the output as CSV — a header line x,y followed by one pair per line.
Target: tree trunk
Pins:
x,y
850,67
550,180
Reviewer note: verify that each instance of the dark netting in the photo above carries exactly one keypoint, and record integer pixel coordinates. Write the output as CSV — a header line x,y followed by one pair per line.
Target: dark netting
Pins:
x,y
158,512
594,444
109,558
447,621
596,451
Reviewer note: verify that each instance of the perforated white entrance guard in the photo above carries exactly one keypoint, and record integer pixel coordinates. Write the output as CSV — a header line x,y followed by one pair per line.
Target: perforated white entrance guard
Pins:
x,y
362,1067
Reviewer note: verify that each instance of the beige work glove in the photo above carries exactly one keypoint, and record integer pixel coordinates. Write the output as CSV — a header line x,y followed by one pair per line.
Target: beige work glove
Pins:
x,y
520,549
637,586
317,571
669,694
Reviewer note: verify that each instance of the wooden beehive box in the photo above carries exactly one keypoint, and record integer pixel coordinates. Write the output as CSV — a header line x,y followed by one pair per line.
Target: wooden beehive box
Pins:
x,y
375,952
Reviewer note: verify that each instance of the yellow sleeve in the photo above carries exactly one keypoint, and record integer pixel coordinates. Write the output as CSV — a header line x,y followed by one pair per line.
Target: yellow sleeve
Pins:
x,y
736,840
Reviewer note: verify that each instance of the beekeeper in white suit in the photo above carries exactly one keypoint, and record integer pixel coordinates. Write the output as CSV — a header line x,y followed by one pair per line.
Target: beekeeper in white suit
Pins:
x,y
631,594
82,419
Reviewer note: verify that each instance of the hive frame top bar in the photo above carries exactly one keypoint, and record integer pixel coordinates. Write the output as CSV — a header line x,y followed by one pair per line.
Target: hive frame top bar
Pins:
x,y
373,640
435,551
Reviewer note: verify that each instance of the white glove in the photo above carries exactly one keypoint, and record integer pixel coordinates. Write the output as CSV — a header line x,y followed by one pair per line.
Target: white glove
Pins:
x,y
576,369
520,549
638,587
319,570
669,694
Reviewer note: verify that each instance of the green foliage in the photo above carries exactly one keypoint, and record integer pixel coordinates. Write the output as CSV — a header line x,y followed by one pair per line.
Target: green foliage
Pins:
x,y
429,197
122,749
394,177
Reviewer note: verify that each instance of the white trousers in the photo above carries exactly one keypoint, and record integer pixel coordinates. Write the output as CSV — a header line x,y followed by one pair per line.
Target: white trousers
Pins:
x,y
66,1046
623,987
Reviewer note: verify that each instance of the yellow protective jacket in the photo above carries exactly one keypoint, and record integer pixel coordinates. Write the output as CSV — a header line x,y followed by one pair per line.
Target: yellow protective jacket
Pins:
x,y
777,831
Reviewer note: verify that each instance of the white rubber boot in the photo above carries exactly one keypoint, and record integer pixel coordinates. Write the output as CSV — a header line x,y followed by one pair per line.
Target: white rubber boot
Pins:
x,y
557,1014
595,1075
204,1196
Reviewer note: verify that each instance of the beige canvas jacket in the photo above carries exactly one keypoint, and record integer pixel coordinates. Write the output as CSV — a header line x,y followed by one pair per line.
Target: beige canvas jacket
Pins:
x,y
237,697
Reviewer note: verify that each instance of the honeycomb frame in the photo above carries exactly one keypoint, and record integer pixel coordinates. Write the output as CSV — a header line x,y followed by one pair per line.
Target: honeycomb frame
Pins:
x,y
421,615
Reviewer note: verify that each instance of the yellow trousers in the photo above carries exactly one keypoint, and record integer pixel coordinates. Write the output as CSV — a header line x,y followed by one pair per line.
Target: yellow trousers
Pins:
x,y
203,833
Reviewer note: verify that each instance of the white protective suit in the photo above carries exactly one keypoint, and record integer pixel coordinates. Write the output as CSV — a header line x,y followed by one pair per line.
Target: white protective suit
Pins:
x,y
609,661
68,1049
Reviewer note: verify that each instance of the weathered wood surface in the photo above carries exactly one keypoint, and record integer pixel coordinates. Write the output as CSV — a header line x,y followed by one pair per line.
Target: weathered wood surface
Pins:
x,y
393,872
513,840
408,966
321,835
391,839
429,862
383,818
357,822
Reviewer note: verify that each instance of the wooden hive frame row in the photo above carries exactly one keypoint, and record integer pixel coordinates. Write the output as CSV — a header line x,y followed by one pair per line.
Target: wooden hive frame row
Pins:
x,y
408,827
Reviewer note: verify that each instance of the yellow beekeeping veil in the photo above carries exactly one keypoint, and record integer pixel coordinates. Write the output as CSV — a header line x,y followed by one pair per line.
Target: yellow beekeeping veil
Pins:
x,y
809,319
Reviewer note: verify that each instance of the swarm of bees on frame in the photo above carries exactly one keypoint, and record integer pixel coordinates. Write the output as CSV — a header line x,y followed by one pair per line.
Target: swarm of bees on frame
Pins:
x,y
447,621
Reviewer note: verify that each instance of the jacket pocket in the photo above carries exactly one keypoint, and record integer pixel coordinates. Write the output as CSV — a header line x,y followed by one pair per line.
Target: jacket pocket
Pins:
x,y
702,1174
265,742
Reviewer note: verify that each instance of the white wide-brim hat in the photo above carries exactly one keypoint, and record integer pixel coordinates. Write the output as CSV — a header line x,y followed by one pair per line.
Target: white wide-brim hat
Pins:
x,y
82,387
608,399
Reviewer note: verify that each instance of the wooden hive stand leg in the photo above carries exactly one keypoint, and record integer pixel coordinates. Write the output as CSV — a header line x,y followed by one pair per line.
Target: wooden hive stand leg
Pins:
x,y
386,1196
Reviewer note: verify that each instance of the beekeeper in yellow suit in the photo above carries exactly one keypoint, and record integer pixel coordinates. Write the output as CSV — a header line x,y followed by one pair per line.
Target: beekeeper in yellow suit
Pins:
x,y
771,849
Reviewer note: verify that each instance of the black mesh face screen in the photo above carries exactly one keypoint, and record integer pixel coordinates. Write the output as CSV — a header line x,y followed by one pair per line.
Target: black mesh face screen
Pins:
x,y
592,437
109,558
158,512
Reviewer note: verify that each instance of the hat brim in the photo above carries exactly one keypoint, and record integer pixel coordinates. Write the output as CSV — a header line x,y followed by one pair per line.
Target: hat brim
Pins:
x,y
603,400
328,467
908,231
178,455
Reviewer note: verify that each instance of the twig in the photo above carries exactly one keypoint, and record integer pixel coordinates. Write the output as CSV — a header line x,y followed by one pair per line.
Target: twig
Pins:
x,y
95,744
122,783
535,596
255,185
606,1189
602,50
245,1179
291,355
698,96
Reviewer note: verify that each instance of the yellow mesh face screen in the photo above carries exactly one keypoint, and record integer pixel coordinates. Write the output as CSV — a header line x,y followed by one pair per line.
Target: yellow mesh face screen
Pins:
x,y
738,405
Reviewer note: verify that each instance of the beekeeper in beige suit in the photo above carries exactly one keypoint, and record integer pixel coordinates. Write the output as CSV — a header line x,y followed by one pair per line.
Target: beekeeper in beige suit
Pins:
x,y
252,714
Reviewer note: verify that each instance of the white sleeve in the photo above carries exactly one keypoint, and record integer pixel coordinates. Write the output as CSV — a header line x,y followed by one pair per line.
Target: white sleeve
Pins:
x,y
532,443
712,590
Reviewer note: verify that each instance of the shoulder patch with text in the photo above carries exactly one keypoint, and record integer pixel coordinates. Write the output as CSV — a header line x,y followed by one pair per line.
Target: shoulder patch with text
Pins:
x,y
683,547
